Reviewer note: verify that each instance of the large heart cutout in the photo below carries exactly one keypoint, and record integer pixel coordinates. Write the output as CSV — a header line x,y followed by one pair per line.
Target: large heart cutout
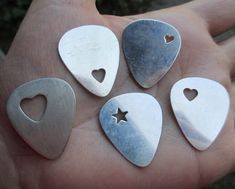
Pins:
x,y
99,75
133,123
190,94
34,107
49,135
88,48
150,48
202,118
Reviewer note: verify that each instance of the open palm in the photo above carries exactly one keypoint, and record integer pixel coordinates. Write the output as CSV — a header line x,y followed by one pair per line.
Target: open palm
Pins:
x,y
90,160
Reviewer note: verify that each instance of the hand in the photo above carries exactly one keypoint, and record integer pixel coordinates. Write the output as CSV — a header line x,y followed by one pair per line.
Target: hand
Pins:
x,y
90,160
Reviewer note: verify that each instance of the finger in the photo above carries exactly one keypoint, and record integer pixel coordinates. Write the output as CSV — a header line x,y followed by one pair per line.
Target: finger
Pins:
x,y
233,94
72,3
229,46
218,14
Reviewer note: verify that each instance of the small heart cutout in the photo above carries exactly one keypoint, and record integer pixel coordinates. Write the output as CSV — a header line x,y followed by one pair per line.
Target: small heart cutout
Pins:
x,y
146,53
34,107
201,120
49,135
169,38
190,94
99,75
86,48
133,123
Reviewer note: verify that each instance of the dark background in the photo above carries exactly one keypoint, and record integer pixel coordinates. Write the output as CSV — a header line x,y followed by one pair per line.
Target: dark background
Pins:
x,y
13,11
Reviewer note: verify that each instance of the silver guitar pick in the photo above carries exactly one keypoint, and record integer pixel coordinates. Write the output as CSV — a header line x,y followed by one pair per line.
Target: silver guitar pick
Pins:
x,y
202,112
89,49
133,123
49,135
150,48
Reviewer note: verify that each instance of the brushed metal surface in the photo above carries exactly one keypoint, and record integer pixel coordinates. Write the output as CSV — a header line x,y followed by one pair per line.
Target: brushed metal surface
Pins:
x,y
49,135
150,48
91,48
202,118
137,136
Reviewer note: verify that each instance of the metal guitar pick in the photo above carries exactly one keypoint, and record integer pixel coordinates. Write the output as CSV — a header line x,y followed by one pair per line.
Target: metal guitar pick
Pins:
x,y
133,123
49,135
202,116
89,49
150,48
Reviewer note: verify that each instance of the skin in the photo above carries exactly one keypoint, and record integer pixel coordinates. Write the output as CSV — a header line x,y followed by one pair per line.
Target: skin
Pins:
x,y
89,160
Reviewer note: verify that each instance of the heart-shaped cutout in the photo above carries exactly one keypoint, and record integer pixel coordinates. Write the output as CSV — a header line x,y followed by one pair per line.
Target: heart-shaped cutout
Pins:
x,y
34,107
202,119
88,48
99,75
190,94
146,53
133,123
48,136
169,38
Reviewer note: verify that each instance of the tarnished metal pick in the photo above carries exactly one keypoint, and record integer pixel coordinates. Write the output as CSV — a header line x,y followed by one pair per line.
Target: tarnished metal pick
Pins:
x,y
89,49
133,123
201,107
49,135
150,48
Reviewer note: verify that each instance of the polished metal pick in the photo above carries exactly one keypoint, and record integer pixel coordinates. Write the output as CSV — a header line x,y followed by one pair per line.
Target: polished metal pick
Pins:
x,y
133,123
49,135
150,48
89,49
201,107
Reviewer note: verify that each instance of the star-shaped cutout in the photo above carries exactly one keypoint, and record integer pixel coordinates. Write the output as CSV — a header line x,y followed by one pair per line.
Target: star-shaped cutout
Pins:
x,y
120,116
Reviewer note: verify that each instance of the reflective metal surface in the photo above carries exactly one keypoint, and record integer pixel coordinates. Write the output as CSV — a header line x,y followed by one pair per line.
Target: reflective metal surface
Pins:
x,y
49,135
202,118
137,132
91,48
150,48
